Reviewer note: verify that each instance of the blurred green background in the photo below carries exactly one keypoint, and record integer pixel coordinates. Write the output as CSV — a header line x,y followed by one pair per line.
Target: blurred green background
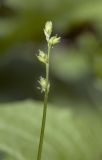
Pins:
x,y
74,118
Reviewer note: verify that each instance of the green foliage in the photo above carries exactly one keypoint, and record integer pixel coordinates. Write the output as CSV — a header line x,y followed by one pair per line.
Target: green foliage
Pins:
x,y
70,134
28,18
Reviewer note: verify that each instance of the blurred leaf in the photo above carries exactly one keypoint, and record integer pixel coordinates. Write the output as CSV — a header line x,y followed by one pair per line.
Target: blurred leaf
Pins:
x,y
70,134
98,65
29,18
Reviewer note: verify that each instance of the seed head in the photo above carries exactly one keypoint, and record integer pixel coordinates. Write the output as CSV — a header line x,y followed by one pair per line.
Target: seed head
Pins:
x,y
43,84
54,40
48,30
42,57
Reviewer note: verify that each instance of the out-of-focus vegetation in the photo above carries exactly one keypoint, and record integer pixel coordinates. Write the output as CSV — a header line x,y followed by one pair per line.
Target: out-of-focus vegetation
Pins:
x,y
76,79
76,65
69,135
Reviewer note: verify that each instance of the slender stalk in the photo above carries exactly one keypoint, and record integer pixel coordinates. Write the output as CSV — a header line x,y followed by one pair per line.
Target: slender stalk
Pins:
x,y
44,82
44,109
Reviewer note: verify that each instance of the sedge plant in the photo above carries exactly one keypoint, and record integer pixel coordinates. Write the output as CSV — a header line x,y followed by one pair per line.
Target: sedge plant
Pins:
x,y
44,82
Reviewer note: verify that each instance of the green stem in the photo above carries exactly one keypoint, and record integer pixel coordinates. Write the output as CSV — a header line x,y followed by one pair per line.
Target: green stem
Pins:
x,y
44,109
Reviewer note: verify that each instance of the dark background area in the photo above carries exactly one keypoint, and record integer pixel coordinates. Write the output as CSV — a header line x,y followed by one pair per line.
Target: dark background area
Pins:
x,y
76,63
